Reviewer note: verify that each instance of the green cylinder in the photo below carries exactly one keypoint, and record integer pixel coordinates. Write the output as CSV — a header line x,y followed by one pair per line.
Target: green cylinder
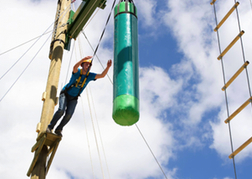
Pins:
x,y
126,75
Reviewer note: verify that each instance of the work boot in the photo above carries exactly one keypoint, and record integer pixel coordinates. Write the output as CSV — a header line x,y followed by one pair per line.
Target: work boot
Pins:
x,y
48,130
58,132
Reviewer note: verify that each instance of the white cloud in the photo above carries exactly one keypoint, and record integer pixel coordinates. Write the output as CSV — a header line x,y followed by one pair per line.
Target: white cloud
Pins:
x,y
189,97
147,12
126,152
192,24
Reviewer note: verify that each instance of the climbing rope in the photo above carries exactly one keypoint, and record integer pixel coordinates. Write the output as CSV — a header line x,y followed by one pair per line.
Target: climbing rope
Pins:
x,y
91,96
113,5
250,4
97,146
64,13
13,48
223,73
68,69
95,51
242,47
89,150
84,17
151,151
226,100
24,69
96,56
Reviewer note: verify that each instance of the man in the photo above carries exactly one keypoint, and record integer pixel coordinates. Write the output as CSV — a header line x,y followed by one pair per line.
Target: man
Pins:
x,y
70,92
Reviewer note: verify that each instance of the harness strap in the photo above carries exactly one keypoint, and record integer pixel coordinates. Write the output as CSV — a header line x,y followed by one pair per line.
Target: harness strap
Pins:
x,y
76,84
84,81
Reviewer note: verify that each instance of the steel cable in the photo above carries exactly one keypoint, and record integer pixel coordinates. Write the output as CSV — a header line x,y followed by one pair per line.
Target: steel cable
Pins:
x,y
226,100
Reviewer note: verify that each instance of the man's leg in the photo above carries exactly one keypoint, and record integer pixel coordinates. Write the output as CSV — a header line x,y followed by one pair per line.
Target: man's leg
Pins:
x,y
69,112
59,112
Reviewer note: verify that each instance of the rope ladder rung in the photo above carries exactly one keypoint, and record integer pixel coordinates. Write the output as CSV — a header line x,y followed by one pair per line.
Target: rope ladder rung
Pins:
x,y
235,75
245,144
238,110
226,16
212,3
230,45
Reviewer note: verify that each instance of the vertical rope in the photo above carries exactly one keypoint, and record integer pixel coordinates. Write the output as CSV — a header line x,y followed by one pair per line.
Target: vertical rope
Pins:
x,y
96,56
68,69
85,124
97,146
151,151
113,5
226,100
25,69
89,150
91,96
242,47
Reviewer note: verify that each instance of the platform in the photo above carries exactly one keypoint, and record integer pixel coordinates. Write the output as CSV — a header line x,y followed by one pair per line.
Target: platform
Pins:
x,y
51,141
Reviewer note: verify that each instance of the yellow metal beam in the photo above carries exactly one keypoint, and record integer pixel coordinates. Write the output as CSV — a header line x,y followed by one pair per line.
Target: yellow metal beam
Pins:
x,y
238,110
226,16
240,148
230,45
235,75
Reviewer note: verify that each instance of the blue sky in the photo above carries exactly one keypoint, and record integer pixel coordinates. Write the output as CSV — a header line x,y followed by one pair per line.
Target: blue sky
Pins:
x,y
182,106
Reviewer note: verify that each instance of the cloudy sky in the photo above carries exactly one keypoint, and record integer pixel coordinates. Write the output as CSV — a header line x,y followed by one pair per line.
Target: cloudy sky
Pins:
x,y
181,133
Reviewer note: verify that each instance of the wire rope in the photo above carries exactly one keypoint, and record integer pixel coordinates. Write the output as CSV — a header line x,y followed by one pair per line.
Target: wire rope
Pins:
x,y
81,54
113,5
96,55
250,4
91,96
85,16
89,150
25,43
151,151
91,18
85,123
80,49
34,43
68,69
95,51
242,47
24,69
97,146
21,56
226,99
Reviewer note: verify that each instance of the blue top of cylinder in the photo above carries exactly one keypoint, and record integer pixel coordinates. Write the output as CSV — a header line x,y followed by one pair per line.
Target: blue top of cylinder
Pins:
x,y
125,6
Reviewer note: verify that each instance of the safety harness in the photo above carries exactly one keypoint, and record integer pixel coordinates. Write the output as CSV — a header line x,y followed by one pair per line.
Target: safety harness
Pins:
x,y
77,83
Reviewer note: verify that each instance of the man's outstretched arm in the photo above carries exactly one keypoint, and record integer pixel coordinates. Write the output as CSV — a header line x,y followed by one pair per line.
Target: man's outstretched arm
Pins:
x,y
104,73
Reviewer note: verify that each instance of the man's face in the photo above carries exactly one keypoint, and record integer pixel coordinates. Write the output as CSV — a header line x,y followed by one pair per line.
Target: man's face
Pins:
x,y
85,66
